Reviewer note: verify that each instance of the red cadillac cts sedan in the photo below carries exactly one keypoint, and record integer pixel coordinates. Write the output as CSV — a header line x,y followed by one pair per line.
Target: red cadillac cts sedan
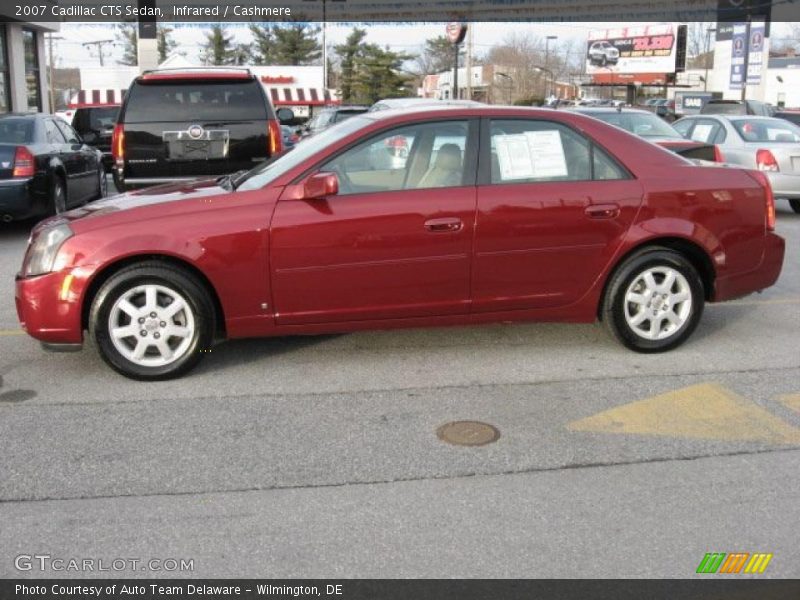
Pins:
x,y
427,217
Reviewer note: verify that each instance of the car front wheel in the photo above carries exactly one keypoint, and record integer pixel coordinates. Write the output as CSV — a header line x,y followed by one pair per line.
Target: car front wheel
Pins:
x,y
152,321
654,301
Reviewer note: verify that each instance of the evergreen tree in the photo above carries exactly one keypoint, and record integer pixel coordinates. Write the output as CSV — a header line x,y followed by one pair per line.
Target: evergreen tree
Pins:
x,y
164,42
378,74
263,46
348,53
296,44
127,38
219,48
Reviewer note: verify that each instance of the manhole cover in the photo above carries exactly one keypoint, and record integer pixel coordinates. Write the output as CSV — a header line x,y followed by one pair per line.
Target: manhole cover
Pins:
x,y
468,433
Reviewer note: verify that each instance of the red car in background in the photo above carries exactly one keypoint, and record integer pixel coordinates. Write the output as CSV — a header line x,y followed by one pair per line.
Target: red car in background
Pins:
x,y
492,214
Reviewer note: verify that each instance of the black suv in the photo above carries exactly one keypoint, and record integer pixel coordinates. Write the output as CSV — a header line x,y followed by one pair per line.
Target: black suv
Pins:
x,y
180,124
736,107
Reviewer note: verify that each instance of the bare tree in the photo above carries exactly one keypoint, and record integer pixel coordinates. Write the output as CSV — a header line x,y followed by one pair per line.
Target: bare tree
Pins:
x,y
518,57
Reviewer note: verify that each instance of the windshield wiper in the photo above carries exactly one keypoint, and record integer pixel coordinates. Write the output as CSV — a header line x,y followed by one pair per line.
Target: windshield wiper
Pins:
x,y
230,181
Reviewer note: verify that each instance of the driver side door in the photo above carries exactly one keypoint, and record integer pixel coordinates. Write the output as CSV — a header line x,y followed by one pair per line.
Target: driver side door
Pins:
x,y
395,242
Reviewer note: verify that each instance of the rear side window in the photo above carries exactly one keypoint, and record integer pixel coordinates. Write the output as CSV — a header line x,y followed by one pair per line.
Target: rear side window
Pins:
x,y
705,131
16,131
767,130
525,151
54,135
196,101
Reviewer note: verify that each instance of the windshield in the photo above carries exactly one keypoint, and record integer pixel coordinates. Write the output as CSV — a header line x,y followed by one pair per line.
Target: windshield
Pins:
x,y
263,174
767,130
642,124
16,131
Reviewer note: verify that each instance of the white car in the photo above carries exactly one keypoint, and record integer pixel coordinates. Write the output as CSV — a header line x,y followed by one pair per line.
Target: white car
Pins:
x,y
603,53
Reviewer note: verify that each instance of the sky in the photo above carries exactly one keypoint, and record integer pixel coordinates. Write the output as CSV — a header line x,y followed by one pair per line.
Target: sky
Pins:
x,y
70,52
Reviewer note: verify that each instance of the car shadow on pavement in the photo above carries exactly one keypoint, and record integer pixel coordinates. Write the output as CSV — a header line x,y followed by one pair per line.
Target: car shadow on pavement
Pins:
x,y
235,353
16,228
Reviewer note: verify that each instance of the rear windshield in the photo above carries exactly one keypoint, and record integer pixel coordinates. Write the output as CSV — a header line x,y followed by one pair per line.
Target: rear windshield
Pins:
x,y
342,115
643,125
196,101
767,130
16,131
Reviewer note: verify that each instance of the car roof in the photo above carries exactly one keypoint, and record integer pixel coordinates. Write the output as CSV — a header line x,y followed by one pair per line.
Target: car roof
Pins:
x,y
201,73
23,115
608,110
415,101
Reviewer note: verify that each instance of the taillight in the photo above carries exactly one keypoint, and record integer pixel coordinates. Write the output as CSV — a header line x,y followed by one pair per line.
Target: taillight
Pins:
x,y
718,156
275,143
769,198
23,162
765,161
118,144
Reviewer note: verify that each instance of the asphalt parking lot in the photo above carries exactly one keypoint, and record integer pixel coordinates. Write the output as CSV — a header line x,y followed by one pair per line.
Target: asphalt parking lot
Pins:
x,y
318,456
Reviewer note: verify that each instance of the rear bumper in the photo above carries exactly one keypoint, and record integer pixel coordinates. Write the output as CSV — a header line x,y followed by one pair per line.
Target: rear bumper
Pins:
x,y
49,311
16,201
741,284
783,185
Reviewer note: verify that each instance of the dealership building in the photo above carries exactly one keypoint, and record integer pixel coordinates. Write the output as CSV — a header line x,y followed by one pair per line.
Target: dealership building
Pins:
x,y
23,77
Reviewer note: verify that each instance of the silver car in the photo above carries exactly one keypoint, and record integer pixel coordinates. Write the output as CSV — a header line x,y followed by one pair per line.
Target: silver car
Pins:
x,y
764,143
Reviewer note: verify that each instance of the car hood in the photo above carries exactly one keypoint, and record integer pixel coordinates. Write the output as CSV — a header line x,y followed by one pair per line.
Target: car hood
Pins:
x,y
160,194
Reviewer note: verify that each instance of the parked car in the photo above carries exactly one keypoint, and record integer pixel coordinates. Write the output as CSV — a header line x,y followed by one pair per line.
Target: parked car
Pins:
x,y
289,136
329,116
556,216
181,124
765,143
735,107
603,53
95,124
648,126
45,168
793,116
388,103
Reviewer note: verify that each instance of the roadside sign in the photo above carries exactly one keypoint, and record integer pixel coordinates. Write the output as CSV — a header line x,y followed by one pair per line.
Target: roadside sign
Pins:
x,y
456,32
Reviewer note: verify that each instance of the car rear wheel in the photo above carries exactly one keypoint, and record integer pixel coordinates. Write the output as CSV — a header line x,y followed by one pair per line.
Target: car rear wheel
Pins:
x,y
102,183
152,321
795,204
58,196
654,301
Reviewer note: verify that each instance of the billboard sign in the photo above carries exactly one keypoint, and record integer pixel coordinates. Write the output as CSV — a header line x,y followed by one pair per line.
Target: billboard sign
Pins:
x,y
690,103
755,53
738,53
636,48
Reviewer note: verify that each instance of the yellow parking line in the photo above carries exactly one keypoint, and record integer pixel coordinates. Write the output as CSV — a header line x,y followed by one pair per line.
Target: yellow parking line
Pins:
x,y
791,401
9,332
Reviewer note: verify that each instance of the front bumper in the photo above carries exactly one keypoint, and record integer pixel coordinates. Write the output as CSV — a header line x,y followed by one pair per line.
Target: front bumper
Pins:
x,y
767,273
49,306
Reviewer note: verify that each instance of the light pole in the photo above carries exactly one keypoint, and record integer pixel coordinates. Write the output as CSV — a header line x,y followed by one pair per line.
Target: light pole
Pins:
x,y
546,70
547,56
709,31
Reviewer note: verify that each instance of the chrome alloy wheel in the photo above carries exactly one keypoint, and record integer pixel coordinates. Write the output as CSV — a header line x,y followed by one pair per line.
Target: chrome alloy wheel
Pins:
x,y
658,303
151,325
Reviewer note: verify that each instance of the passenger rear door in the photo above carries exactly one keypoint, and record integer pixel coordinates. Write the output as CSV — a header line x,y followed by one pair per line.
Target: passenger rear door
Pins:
x,y
553,207
395,242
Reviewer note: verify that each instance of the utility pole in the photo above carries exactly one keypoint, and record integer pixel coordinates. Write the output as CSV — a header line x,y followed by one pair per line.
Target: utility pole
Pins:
x,y
50,39
469,64
547,58
709,31
99,44
324,49
746,59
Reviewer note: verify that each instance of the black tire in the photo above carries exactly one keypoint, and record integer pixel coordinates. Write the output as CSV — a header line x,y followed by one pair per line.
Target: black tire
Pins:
x,y
102,183
166,276
58,196
613,312
795,204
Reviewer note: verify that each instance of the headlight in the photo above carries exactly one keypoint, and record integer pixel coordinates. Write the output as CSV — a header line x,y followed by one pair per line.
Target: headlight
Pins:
x,y
42,252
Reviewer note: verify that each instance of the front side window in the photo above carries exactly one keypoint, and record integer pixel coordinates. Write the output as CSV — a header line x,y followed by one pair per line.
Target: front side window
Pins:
x,y
69,132
525,151
426,155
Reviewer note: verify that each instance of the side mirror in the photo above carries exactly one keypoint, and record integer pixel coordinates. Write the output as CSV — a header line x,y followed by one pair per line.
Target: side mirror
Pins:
x,y
285,114
321,185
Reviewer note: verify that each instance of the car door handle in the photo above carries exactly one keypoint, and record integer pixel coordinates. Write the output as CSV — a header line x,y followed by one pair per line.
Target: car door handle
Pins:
x,y
445,225
602,211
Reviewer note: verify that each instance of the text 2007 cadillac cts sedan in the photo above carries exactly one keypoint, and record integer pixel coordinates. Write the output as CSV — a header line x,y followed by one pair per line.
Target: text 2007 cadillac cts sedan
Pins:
x,y
435,216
